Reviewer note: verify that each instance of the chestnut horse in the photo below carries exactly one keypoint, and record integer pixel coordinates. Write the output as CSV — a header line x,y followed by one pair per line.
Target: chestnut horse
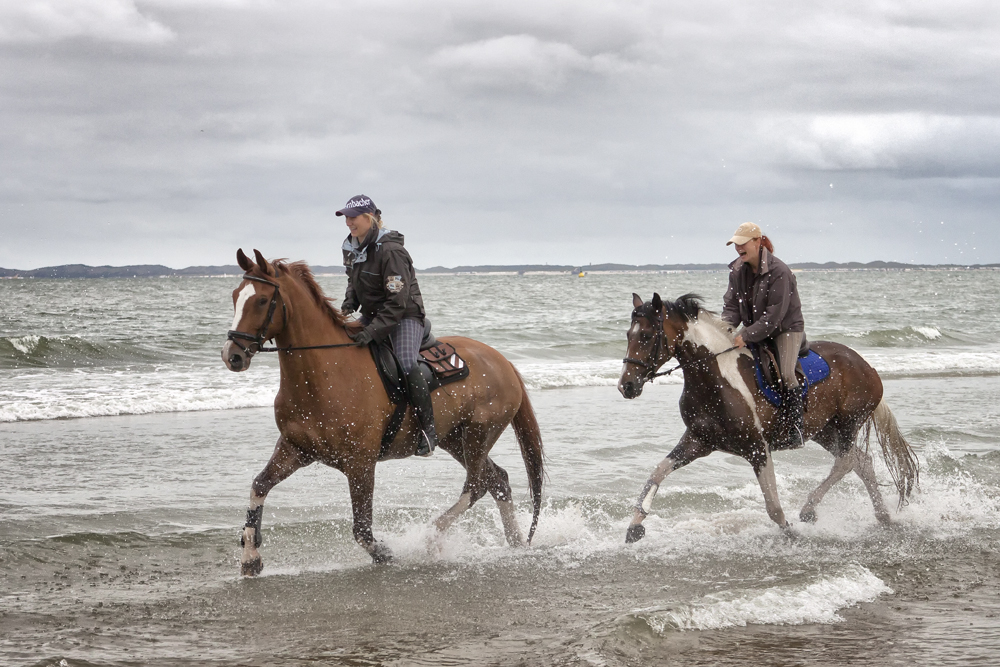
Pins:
x,y
724,410
332,407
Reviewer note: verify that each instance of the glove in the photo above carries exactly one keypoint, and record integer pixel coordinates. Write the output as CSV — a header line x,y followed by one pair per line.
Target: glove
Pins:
x,y
362,338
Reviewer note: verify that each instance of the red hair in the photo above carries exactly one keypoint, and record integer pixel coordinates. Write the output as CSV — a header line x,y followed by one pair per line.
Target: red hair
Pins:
x,y
766,243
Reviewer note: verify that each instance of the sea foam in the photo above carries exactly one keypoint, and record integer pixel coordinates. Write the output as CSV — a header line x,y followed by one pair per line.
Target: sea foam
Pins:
x,y
817,601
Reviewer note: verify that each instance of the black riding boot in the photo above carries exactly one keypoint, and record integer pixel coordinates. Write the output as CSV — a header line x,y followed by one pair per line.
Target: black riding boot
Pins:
x,y
420,399
791,419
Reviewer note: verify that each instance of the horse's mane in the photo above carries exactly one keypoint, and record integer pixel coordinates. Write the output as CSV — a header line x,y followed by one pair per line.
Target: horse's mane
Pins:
x,y
301,272
687,306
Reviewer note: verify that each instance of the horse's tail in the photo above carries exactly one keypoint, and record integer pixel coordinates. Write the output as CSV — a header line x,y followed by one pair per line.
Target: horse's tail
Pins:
x,y
530,440
896,452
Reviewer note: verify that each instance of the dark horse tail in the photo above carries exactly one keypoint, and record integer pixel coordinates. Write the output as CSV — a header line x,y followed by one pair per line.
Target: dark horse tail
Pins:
x,y
530,440
897,453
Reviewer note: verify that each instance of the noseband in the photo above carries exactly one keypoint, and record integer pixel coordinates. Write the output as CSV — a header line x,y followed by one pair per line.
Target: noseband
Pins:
x,y
261,336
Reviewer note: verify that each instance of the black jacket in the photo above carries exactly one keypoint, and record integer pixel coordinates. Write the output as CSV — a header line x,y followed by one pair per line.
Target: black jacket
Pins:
x,y
381,281
766,303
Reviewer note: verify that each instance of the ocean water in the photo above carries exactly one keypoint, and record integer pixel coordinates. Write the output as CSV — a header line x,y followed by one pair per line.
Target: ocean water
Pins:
x,y
129,451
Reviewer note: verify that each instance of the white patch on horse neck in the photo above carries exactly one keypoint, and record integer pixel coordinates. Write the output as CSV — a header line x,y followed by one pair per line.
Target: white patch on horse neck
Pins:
x,y
245,294
707,331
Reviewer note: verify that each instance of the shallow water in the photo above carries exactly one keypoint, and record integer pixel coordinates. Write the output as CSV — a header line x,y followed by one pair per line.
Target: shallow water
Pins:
x,y
119,533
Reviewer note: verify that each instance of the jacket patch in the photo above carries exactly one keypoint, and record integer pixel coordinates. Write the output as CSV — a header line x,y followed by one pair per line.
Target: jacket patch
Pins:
x,y
394,284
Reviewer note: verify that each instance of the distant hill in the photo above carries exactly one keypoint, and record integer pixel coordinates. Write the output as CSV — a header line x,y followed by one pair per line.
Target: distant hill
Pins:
x,y
157,270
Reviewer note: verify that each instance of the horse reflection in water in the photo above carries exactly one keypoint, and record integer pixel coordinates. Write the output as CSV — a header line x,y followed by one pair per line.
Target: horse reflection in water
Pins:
x,y
724,410
332,407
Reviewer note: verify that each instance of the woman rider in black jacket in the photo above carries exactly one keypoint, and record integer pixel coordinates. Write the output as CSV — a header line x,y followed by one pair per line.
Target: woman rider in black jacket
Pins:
x,y
763,296
382,283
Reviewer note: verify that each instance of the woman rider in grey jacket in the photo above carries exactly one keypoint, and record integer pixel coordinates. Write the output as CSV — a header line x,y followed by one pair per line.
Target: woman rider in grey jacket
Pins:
x,y
763,296
382,283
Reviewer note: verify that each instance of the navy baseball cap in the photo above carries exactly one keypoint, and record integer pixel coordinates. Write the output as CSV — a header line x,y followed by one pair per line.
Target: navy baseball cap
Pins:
x,y
357,205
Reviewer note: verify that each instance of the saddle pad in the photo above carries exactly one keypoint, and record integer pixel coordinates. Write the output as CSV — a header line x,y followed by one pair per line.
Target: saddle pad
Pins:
x,y
440,364
814,369
445,362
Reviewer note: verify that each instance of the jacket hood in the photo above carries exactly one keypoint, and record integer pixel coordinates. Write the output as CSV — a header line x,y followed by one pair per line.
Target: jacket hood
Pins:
x,y
390,236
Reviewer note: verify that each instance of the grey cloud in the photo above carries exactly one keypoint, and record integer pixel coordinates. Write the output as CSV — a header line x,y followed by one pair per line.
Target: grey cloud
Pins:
x,y
591,128
35,21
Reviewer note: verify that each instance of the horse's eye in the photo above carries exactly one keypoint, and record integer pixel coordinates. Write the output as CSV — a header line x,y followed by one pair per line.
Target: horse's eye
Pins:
x,y
262,301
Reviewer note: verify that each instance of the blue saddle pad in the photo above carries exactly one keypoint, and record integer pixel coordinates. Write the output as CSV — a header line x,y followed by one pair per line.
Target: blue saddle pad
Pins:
x,y
814,367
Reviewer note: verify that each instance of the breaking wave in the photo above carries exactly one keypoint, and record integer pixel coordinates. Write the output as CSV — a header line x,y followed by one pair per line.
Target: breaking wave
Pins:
x,y
813,602
69,352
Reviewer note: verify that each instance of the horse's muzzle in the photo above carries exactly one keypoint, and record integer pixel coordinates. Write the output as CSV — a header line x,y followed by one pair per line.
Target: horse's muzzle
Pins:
x,y
630,388
236,358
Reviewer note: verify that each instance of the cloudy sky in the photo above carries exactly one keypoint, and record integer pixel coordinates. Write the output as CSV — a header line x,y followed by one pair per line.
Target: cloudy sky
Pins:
x,y
522,131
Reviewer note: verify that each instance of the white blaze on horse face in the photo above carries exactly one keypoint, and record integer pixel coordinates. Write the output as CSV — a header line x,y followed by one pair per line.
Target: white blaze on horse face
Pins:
x,y
706,331
245,294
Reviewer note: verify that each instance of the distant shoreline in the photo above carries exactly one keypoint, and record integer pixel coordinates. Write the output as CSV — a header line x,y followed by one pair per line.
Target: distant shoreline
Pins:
x,y
160,271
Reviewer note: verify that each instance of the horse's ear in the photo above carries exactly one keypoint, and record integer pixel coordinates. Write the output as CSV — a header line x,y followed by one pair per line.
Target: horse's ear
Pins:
x,y
657,302
636,300
264,265
243,261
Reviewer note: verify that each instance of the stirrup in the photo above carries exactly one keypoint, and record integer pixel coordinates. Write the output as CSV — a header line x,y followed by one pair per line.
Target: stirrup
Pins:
x,y
424,448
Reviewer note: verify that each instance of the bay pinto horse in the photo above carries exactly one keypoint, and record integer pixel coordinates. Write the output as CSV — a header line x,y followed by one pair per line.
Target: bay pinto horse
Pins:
x,y
724,410
332,407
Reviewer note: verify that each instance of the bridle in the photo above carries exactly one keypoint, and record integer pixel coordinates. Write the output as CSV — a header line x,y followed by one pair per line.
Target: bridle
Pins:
x,y
658,338
658,343
261,336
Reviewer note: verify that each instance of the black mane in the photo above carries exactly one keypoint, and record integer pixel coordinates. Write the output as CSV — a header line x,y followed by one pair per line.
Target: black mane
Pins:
x,y
687,306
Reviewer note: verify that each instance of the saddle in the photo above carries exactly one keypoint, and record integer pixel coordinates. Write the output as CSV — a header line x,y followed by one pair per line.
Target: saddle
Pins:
x,y
439,362
810,368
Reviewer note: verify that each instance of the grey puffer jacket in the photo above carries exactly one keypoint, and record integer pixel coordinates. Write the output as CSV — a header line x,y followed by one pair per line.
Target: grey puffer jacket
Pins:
x,y
766,303
381,281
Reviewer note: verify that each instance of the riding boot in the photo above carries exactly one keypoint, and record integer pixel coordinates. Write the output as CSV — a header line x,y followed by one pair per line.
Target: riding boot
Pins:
x,y
420,399
791,419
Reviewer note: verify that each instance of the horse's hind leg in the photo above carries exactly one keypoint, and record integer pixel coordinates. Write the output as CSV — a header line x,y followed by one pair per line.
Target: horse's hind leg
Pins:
x,y
498,484
284,461
456,444
842,465
483,475
866,471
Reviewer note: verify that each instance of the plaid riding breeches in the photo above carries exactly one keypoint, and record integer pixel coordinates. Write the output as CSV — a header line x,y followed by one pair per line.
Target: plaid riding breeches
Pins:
x,y
406,338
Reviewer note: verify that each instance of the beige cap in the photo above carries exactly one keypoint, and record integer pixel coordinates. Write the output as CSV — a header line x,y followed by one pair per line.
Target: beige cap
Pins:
x,y
744,233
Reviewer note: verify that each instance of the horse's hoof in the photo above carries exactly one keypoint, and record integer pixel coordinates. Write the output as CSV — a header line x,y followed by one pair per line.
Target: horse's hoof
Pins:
x,y
789,532
807,516
252,568
635,533
380,553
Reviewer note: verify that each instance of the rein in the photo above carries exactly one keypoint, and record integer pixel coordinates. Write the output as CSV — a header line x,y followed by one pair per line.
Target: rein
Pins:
x,y
656,375
658,343
262,337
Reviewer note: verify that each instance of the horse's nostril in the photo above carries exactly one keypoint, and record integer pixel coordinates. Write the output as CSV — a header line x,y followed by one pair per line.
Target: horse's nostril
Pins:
x,y
236,361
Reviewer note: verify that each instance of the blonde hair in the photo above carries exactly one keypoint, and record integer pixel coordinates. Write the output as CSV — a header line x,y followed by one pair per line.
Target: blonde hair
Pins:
x,y
376,219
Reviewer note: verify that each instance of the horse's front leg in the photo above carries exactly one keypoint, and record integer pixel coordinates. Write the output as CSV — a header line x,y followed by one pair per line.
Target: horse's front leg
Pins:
x,y
362,484
763,468
688,449
285,460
